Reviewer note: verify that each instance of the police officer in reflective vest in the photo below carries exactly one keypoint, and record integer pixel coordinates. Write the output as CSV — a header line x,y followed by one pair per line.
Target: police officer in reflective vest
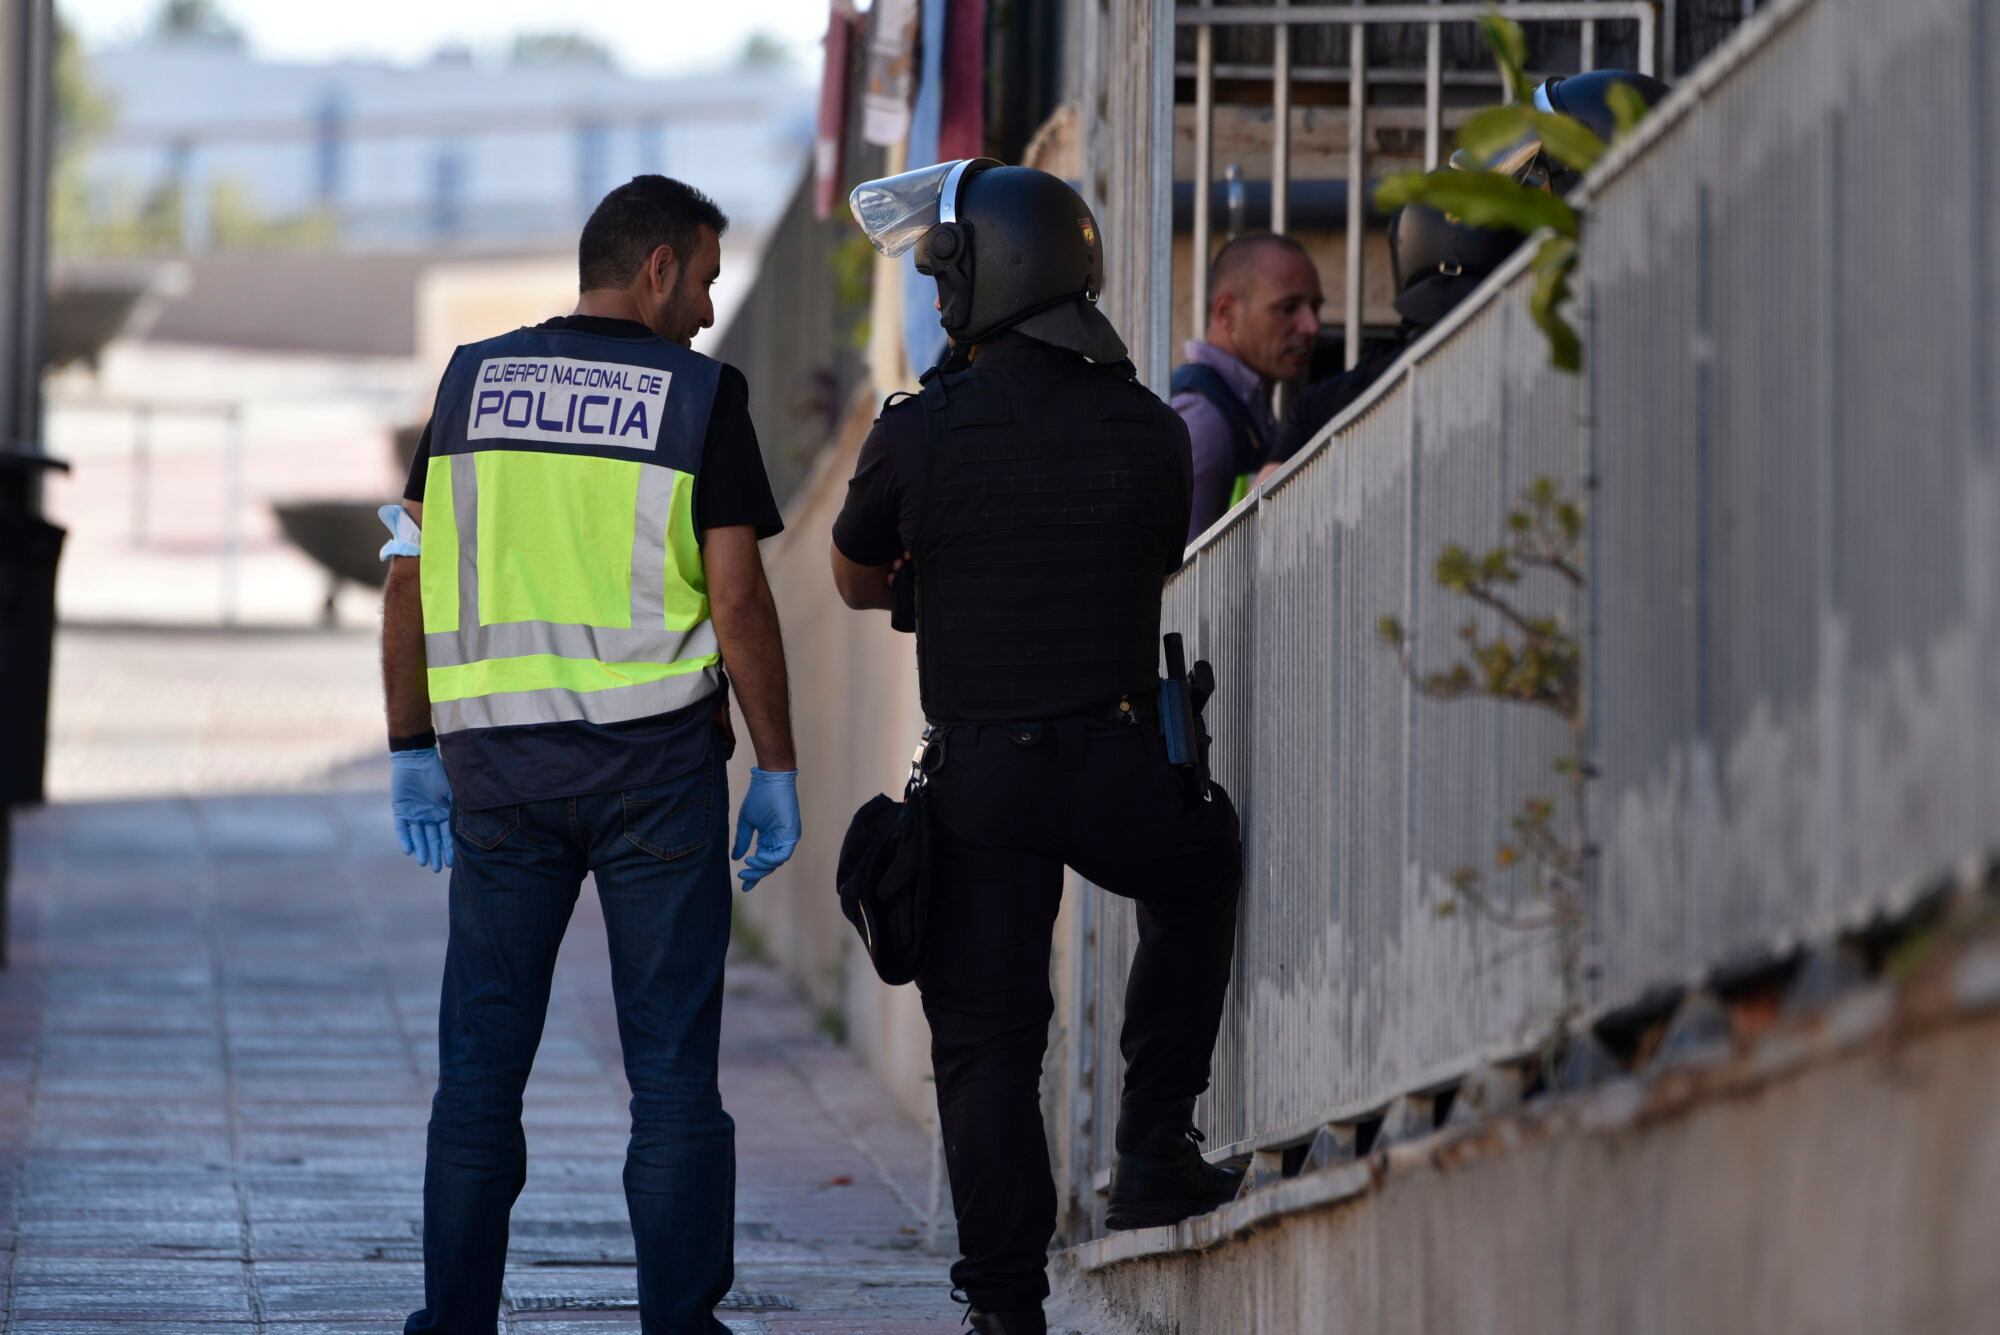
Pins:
x,y
574,565
1038,496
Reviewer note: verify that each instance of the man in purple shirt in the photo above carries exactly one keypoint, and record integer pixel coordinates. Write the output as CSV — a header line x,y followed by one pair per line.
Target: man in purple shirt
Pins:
x,y
1263,320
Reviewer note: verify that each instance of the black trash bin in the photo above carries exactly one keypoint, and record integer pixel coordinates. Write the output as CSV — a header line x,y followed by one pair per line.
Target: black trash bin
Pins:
x,y
29,548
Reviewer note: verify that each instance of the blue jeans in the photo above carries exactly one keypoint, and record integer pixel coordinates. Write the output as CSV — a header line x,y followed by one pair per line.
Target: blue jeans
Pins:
x,y
661,858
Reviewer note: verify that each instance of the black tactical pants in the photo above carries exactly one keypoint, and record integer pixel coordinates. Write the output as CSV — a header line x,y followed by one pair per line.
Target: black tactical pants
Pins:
x,y
1014,806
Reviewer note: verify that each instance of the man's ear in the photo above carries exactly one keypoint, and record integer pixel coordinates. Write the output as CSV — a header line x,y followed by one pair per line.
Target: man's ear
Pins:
x,y
663,268
1222,311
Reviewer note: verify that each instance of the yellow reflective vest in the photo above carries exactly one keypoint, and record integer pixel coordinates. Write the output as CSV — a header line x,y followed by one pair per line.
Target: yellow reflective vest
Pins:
x,y
562,578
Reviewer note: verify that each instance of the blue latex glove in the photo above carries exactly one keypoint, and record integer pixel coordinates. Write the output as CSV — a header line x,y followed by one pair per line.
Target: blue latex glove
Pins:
x,y
420,800
405,538
771,812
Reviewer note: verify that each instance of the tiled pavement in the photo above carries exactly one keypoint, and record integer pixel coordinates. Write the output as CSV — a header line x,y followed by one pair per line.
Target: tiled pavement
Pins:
x,y
215,1064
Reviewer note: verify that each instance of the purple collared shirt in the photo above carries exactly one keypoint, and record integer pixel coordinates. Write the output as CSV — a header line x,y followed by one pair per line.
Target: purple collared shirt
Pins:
x,y
1209,436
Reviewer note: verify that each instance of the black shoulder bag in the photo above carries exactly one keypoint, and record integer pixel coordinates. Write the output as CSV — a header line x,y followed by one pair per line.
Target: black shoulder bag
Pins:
x,y
884,872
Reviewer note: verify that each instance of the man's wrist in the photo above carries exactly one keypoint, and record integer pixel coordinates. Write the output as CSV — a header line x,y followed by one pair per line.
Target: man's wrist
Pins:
x,y
416,741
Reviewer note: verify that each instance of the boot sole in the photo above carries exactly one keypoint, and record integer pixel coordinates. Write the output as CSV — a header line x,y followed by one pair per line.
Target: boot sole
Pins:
x,y
1124,1218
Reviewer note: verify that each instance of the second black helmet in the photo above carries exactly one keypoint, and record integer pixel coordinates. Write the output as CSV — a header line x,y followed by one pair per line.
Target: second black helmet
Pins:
x,y
1438,260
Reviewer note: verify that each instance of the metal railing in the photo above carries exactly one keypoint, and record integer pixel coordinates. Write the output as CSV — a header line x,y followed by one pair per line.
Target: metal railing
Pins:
x,y
233,503
1281,17
1786,434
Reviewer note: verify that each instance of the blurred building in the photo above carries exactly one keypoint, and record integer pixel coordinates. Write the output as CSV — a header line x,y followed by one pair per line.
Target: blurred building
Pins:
x,y
456,153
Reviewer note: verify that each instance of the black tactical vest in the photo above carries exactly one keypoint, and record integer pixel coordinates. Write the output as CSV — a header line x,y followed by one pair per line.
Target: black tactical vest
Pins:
x,y
1056,503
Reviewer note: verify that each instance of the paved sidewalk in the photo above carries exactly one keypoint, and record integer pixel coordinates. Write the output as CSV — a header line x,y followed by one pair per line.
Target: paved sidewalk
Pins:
x,y
216,1057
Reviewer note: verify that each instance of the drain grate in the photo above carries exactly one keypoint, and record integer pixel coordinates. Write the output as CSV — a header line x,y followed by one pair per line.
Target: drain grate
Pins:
x,y
567,1302
736,1301
568,1243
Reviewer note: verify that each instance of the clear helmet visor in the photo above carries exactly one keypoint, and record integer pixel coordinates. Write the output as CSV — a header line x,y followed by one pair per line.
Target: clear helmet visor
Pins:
x,y
896,211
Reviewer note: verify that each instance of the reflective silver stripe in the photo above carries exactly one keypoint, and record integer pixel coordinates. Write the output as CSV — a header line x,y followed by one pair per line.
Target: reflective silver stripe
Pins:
x,y
465,513
649,548
620,704
513,639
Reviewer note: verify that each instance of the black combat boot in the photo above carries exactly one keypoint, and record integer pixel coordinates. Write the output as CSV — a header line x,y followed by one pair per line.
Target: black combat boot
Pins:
x,y
1163,1179
1020,1321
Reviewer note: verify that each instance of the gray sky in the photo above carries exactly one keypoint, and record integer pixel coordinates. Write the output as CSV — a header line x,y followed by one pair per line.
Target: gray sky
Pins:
x,y
650,36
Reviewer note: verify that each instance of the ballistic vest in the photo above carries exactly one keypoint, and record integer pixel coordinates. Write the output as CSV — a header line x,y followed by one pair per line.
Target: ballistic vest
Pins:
x,y
562,577
1055,504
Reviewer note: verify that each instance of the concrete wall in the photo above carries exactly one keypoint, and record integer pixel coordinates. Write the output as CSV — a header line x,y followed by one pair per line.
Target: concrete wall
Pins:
x,y
1856,1197
855,712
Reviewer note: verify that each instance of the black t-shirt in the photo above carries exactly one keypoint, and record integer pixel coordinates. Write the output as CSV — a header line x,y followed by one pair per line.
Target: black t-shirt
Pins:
x,y
730,489
878,523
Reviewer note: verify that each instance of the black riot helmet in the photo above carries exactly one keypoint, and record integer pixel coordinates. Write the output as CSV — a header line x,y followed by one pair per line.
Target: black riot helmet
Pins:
x,y
1585,98
1009,248
1438,260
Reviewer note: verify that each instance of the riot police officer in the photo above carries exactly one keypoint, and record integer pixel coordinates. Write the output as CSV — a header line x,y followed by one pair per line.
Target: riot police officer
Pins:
x,y
1041,496
1438,261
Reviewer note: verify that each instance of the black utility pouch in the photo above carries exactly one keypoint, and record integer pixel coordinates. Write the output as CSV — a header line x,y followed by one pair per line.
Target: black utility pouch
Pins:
x,y
884,871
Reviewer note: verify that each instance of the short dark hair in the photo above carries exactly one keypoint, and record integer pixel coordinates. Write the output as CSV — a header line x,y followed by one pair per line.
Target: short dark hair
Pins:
x,y
1234,260
634,220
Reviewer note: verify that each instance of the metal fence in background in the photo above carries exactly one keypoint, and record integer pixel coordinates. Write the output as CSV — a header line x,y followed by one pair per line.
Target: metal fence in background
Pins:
x,y
1785,434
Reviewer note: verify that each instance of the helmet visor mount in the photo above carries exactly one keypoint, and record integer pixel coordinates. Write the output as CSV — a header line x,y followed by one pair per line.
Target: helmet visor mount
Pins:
x,y
1522,160
896,211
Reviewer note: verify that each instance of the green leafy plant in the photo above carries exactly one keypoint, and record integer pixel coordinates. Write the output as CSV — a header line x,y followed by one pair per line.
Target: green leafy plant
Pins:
x,y
1534,660
1490,199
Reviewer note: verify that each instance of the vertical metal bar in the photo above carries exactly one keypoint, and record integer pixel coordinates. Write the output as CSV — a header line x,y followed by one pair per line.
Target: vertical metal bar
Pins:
x,y
1587,58
142,472
1077,1170
1090,103
1669,12
1357,181
27,29
1281,122
1204,165
232,513
1084,1113
937,1181
1159,355
1433,93
27,104
1649,42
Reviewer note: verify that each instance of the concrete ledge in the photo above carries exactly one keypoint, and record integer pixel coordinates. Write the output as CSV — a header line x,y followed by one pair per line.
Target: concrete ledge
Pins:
x,y
1959,987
